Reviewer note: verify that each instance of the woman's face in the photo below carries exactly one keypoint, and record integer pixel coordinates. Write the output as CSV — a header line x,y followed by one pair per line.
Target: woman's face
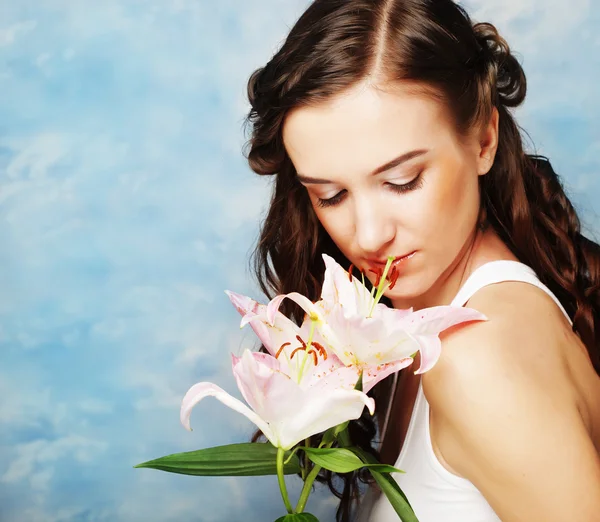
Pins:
x,y
387,175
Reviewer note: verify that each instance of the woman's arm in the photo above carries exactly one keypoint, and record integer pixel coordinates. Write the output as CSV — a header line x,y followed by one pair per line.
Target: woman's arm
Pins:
x,y
507,419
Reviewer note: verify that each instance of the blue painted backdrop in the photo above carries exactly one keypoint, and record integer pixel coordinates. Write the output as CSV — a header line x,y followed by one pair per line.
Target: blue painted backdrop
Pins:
x,y
126,208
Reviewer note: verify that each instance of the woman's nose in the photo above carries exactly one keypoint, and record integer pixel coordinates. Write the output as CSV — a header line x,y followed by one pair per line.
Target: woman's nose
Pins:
x,y
374,228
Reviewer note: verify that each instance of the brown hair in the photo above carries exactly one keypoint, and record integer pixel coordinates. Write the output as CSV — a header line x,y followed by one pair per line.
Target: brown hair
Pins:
x,y
336,44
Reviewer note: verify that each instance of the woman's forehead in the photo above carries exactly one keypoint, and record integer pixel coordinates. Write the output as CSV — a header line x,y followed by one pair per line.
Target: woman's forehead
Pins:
x,y
364,128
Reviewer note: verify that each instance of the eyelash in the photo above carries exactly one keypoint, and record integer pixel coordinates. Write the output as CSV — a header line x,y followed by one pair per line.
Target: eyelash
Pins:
x,y
406,187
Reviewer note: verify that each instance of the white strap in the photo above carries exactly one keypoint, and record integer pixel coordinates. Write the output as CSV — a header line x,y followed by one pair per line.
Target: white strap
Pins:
x,y
497,272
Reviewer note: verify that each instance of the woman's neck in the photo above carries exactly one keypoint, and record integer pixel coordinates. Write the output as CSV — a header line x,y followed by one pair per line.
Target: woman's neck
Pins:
x,y
483,247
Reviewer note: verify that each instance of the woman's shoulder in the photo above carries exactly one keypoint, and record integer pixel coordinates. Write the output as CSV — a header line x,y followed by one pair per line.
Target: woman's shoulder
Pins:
x,y
524,349
525,331
525,341
502,397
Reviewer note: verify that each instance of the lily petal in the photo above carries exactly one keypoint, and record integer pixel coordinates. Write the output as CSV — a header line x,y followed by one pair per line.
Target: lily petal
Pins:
x,y
262,385
242,303
306,304
323,369
339,287
430,348
320,411
373,374
343,377
432,321
207,389
250,310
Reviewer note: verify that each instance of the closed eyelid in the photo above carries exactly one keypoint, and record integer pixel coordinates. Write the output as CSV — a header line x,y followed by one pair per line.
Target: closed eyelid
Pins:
x,y
407,157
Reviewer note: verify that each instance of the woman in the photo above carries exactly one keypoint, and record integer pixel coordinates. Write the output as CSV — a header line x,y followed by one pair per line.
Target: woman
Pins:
x,y
387,126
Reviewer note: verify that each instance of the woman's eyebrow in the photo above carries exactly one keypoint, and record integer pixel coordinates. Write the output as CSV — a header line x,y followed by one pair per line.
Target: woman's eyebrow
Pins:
x,y
387,166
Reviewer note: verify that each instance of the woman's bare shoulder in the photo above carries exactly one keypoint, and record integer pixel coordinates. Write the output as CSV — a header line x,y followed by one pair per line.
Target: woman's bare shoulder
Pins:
x,y
502,397
525,331
527,337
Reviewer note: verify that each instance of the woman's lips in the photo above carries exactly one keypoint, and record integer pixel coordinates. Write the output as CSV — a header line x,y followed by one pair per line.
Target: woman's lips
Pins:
x,y
377,264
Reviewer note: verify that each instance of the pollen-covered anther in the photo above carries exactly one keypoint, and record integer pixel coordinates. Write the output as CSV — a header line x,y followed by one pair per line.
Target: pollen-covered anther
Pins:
x,y
281,349
394,277
315,349
378,273
321,349
350,272
315,356
300,348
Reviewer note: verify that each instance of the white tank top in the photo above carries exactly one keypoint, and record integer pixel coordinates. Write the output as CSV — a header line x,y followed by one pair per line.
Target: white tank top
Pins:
x,y
436,494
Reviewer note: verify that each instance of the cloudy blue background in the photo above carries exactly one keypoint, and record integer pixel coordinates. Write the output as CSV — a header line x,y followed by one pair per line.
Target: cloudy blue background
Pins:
x,y
126,208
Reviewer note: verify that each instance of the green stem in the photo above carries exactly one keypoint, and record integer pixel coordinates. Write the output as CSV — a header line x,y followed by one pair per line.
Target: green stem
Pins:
x,y
281,479
308,484
306,464
306,489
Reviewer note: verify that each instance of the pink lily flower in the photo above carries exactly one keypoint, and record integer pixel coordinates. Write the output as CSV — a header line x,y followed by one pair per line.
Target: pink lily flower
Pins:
x,y
368,335
286,410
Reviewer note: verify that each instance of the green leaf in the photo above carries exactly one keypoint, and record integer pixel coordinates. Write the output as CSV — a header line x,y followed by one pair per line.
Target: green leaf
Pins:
x,y
395,495
298,517
245,459
342,460
328,436
391,489
343,438
340,427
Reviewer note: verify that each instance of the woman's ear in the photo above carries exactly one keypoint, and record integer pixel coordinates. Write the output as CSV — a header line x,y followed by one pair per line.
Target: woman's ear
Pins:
x,y
488,144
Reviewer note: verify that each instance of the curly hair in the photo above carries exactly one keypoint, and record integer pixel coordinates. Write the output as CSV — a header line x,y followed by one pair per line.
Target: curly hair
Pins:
x,y
468,67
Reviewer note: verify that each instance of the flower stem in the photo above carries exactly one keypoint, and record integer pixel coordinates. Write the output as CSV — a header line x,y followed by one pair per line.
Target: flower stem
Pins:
x,y
306,488
306,461
308,484
281,479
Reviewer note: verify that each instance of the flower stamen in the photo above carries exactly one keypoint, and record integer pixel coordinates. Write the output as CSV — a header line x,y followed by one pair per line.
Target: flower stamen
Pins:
x,y
321,349
281,349
315,356
394,277
313,348
378,274
300,348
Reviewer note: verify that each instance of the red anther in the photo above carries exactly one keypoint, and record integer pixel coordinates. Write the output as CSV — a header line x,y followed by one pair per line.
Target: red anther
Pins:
x,y
392,274
301,341
315,358
321,350
378,273
280,349
293,353
394,277
350,272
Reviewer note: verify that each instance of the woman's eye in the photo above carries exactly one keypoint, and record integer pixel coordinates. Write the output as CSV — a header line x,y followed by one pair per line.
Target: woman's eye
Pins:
x,y
329,202
414,184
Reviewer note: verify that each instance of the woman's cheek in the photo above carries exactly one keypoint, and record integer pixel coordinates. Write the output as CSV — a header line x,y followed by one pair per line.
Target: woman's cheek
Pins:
x,y
337,223
415,211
